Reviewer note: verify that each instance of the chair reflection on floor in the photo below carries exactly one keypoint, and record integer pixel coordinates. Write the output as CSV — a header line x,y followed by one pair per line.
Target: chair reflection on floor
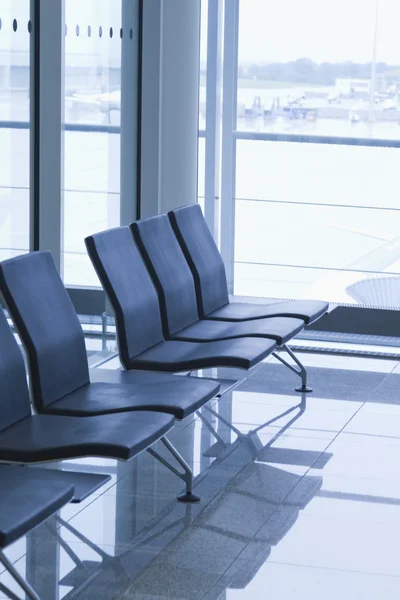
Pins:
x,y
201,535
252,434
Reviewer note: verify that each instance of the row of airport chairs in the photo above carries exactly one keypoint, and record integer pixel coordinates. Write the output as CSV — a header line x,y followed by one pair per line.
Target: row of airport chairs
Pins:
x,y
166,283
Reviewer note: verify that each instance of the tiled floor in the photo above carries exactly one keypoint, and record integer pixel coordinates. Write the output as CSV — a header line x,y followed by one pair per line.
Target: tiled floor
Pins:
x,y
307,507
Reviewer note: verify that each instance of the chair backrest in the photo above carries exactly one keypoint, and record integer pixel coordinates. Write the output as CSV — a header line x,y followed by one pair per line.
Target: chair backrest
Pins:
x,y
203,257
128,285
14,393
170,272
48,326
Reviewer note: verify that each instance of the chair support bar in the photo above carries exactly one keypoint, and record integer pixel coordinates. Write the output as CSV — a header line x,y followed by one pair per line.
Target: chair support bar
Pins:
x,y
186,476
8,592
210,428
224,421
24,585
301,371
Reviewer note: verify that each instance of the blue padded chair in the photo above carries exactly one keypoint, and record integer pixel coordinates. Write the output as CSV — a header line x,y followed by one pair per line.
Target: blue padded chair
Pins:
x,y
59,374
135,302
25,502
27,438
208,270
30,439
174,283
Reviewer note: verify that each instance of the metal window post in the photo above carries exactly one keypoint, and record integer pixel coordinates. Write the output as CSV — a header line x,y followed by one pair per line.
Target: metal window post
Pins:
x,y
47,118
150,148
213,115
129,111
170,99
228,160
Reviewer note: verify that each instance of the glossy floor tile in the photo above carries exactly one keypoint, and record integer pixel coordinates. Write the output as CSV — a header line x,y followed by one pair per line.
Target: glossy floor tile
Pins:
x,y
328,383
288,582
300,499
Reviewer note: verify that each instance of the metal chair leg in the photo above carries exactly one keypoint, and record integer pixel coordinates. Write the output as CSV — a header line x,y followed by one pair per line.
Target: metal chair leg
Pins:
x,y
186,476
5,590
301,371
24,585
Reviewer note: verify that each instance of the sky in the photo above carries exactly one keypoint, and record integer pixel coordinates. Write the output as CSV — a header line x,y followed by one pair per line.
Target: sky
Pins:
x,y
270,30
323,30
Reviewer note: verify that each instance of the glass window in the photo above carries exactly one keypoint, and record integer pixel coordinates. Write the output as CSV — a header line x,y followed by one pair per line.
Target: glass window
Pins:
x,y
92,84
203,64
15,153
330,69
14,127
318,145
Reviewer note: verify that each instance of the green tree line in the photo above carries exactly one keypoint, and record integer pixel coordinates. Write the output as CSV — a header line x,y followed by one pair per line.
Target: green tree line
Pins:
x,y
304,70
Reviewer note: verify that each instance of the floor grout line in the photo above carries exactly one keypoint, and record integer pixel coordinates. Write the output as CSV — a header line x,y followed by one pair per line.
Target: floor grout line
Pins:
x,y
305,566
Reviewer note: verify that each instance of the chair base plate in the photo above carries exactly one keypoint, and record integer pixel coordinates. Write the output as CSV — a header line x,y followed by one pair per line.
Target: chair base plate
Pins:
x,y
188,498
305,389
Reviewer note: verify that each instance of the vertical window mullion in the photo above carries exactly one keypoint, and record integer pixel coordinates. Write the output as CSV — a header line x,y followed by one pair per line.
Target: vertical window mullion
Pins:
x,y
228,152
47,119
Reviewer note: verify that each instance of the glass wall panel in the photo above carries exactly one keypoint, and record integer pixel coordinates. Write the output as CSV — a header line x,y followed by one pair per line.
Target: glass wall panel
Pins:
x,y
14,127
342,287
92,86
318,146
318,173
342,249
329,69
203,63
14,158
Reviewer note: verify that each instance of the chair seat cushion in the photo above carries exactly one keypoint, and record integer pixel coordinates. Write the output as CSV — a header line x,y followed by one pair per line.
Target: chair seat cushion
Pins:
x,y
174,356
25,504
280,329
308,310
122,391
48,437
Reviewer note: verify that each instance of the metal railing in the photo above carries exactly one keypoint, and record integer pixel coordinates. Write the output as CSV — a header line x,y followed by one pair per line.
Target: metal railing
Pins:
x,y
301,138
79,127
